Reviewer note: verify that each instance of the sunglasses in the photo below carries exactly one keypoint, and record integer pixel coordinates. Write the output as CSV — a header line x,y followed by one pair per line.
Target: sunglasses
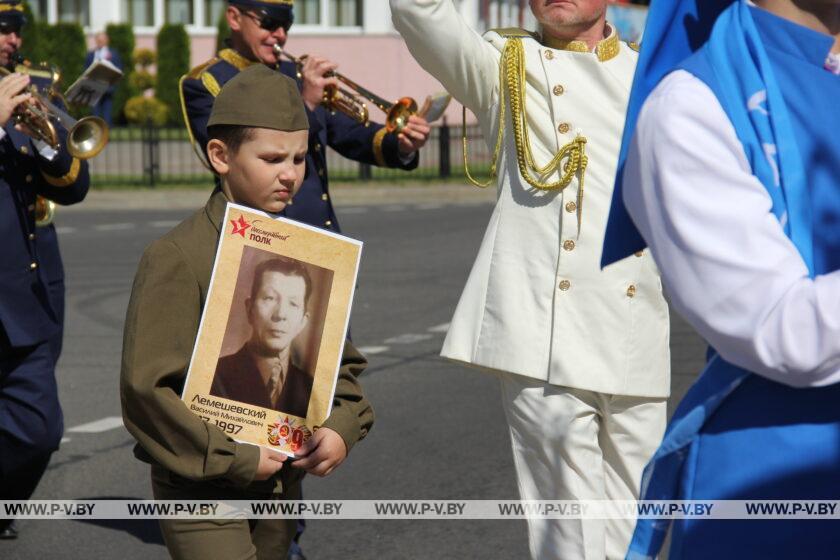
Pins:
x,y
271,23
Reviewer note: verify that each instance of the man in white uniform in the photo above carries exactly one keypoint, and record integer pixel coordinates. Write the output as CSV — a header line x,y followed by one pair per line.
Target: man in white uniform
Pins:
x,y
582,353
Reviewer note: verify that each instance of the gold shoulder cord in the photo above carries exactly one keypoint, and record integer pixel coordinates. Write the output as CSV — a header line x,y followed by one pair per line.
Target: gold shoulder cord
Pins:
x,y
512,80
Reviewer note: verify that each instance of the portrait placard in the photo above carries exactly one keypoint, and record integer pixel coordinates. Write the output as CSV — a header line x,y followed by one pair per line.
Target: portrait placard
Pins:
x,y
269,345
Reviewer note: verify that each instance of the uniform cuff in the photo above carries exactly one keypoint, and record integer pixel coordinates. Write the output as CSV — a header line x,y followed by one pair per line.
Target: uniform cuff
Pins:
x,y
343,421
246,459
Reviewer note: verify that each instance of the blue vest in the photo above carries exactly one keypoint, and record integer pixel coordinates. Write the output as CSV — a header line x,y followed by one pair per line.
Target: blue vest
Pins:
x,y
768,440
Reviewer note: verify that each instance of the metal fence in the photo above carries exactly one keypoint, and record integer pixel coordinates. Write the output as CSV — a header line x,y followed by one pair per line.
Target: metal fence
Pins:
x,y
151,156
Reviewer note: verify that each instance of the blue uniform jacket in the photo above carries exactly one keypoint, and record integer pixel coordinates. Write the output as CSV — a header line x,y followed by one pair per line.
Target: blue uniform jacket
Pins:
x,y
31,272
312,205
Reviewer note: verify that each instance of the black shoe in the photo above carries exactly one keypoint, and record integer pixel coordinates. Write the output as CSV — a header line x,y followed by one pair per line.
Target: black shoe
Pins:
x,y
8,529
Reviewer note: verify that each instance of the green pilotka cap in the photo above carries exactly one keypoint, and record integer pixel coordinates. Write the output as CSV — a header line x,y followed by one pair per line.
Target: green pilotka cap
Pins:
x,y
260,97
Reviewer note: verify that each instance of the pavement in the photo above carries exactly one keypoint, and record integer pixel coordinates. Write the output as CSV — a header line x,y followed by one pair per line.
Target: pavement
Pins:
x,y
440,431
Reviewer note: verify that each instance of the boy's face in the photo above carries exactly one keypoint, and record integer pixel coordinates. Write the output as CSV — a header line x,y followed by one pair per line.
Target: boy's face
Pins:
x,y
278,311
267,169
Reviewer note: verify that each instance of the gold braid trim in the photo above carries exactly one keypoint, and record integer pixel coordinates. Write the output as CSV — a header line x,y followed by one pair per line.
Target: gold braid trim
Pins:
x,y
211,84
68,178
512,82
378,138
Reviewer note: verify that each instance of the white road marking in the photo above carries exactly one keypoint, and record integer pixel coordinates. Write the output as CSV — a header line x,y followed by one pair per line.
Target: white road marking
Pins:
x,y
355,210
97,426
373,349
64,229
164,223
442,328
113,227
407,338
65,439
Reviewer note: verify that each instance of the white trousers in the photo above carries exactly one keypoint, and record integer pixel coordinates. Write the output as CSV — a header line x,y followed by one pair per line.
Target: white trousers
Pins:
x,y
570,444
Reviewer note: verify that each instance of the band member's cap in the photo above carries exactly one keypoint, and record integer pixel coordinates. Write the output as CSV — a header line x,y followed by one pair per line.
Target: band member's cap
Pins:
x,y
11,13
273,8
260,97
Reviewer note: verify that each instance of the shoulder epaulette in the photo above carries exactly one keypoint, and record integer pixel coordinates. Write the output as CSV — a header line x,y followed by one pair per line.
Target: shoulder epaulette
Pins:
x,y
196,72
513,32
634,45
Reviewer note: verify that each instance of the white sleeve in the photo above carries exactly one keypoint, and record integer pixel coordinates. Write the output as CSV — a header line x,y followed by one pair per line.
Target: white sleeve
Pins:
x,y
449,49
725,260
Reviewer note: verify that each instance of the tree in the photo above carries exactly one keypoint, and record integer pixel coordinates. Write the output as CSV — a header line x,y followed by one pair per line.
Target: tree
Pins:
x,y
65,47
173,47
33,46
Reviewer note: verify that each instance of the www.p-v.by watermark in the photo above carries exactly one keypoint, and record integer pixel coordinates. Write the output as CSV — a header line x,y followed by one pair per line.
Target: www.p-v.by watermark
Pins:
x,y
420,509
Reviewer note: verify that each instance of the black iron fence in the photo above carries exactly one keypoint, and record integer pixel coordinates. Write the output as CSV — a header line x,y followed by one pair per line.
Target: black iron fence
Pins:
x,y
150,156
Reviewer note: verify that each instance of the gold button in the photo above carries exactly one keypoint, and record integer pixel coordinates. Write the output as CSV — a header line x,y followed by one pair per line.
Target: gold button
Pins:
x,y
558,89
31,207
325,197
563,128
320,173
33,266
317,147
639,253
31,236
631,290
328,223
569,245
28,178
549,55
24,150
571,207
565,285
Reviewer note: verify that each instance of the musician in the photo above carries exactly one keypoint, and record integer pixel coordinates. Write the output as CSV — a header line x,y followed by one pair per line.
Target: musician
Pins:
x,y
31,283
256,27
582,354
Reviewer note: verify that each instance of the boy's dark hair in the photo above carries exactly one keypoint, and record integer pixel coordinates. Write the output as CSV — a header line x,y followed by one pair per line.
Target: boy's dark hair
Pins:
x,y
232,135
283,265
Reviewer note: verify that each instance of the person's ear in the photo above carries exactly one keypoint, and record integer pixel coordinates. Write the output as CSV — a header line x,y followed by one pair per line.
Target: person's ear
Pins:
x,y
234,18
219,156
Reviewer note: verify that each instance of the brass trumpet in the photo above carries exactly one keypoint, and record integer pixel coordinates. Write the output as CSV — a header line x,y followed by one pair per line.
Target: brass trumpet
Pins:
x,y
348,102
86,137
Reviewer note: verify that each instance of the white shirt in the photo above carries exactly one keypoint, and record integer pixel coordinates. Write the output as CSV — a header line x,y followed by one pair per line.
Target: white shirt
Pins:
x,y
43,148
725,260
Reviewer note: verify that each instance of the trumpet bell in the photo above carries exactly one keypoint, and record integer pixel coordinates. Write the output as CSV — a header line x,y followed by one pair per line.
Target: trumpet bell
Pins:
x,y
87,137
399,113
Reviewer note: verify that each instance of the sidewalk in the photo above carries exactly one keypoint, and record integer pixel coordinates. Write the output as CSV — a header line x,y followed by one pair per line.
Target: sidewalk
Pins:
x,y
342,194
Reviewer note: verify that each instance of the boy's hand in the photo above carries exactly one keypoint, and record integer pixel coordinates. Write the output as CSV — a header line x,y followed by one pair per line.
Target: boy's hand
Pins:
x,y
270,463
324,451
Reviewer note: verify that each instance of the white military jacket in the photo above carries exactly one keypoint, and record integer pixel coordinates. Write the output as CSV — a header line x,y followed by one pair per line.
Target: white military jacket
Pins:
x,y
536,302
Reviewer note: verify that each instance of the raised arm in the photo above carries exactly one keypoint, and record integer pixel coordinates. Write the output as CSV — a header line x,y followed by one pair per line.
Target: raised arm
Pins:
x,y
449,49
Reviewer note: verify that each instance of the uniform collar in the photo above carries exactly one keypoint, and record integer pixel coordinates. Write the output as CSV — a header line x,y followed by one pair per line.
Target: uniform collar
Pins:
x,y
606,48
236,59
215,208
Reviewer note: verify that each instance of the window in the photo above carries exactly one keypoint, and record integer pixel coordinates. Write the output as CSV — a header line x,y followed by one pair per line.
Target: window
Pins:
x,y
179,11
39,9
213,10
345,13
308,12
140,13
74,11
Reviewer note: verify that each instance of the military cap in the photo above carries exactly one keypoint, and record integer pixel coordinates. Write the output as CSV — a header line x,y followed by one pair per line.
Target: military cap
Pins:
x,y
11,13
260,97
280,9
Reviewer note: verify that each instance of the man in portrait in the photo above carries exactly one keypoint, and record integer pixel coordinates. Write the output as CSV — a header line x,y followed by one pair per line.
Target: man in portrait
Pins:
x,y
261,373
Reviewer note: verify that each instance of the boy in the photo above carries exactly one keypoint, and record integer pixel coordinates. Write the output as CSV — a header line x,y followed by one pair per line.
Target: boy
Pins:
x,y
258,130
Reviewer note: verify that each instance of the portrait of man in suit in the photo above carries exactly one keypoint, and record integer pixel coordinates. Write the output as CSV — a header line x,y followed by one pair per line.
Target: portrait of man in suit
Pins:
x,y
262,372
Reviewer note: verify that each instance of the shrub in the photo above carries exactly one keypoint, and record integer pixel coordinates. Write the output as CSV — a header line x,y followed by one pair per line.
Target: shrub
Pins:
x,y
144,58
121,39
174,42
141,80
66,48
33,45
222,31
140,109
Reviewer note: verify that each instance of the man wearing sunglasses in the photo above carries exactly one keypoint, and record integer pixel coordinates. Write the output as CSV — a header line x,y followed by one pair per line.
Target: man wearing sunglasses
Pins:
x,y
256,27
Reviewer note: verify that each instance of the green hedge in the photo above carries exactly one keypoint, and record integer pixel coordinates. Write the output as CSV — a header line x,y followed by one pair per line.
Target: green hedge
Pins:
x,y
222,31
34,47
66,48
173,47
121,39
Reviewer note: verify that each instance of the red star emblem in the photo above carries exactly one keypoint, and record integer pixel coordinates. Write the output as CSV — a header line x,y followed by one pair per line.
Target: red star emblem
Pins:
x,y
239,226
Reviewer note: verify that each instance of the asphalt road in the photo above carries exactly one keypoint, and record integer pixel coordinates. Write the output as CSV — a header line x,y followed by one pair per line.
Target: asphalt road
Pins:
x,y
440,431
